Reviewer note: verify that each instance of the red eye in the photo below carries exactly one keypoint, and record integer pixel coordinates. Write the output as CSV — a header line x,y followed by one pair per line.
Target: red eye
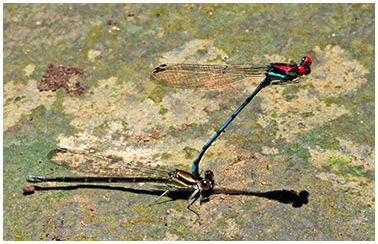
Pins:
x,y
306,59
301,70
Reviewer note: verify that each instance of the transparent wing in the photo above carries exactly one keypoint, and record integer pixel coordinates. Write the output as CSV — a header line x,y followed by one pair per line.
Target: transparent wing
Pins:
x,y
198,75
91,162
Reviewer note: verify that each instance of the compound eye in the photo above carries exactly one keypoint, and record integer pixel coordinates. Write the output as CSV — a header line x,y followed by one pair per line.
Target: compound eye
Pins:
x,y
306,60
209,175
301,70
206,185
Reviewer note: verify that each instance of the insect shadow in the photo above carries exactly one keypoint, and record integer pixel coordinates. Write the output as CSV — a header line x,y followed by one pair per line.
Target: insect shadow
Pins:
x,y
292,197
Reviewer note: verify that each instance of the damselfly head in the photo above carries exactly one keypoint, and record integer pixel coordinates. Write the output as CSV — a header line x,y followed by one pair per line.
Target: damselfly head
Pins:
x,y
207,183
306,63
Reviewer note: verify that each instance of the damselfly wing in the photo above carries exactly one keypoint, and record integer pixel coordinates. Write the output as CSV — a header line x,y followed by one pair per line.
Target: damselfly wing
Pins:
x,y
203,75
89,161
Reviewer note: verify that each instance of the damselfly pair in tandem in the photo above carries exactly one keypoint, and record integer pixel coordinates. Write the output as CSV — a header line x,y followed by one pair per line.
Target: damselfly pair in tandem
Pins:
x,y
181,75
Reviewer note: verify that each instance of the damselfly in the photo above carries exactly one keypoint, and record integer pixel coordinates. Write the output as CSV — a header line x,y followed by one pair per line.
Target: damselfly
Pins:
x,y
196,75
115,170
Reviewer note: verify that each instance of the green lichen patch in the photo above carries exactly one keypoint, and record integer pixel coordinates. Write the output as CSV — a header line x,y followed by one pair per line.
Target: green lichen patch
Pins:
x,y
321,138
163,111
342,167
190,152
157,94
94,34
